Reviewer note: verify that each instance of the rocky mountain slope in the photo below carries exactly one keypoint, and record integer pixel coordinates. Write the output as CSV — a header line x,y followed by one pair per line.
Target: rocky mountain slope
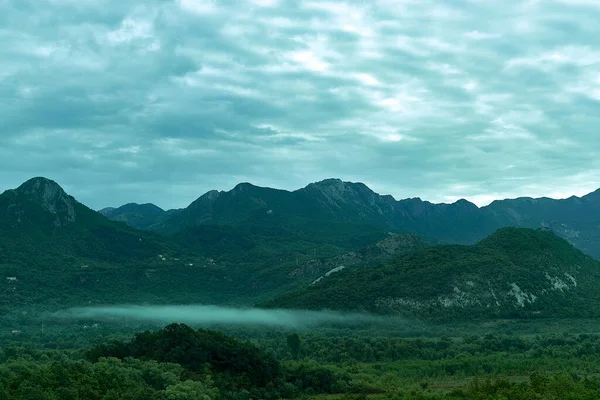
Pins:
x,y
512,273
576,219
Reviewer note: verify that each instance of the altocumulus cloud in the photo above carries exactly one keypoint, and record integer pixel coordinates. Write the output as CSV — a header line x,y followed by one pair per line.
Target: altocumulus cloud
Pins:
x,y
162,100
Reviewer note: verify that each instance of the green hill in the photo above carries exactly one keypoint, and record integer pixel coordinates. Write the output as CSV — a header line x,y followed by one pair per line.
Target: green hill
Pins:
x,y
54,250
512,273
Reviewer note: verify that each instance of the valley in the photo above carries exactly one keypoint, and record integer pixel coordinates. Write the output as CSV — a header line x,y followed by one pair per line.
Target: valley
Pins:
x,y
332,292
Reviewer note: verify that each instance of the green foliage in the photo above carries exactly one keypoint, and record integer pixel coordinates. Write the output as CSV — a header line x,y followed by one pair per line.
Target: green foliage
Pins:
x,y
241,363
478,281
192,390
63,254
108,378
294,343
345,365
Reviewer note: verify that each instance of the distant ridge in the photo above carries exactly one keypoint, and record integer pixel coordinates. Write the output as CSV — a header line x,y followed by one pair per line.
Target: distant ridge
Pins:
x,y
576,219
138,216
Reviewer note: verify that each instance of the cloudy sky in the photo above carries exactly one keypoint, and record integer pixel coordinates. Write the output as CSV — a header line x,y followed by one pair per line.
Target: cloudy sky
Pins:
x,y
160,101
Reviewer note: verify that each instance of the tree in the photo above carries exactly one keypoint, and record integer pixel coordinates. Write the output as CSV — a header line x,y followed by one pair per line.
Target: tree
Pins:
x,y
192,390
294,344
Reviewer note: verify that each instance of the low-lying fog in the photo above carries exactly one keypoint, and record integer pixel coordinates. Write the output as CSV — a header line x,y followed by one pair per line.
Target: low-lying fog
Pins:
x,y
216,315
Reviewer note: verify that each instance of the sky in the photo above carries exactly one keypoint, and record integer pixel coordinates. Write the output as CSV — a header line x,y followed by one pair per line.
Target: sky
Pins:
x,y
161,101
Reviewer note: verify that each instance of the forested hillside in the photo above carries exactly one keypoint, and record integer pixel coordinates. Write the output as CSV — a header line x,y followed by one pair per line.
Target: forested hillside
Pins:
x,y
59,253
512,273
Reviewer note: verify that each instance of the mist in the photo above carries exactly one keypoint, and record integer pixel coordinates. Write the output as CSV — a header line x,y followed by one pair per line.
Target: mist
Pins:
x,y
216,315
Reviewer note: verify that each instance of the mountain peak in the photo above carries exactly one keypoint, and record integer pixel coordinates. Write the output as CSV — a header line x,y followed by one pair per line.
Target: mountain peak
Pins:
x,y
39,184
466,204
337,186
51,197
336,190
329,182
241,187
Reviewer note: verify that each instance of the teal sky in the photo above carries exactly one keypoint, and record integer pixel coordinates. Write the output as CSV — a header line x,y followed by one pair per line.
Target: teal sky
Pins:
x,y
161,101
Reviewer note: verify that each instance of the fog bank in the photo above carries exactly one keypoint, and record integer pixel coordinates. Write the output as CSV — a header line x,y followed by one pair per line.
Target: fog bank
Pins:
x,y
215,315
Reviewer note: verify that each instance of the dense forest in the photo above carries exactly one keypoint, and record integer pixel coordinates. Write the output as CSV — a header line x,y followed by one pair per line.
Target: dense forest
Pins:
x,y
180,362
512,273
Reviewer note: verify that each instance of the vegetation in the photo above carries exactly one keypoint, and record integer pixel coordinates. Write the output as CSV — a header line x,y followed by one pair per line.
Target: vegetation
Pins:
x,y
138,216
60,253
178,362
196,351
512,273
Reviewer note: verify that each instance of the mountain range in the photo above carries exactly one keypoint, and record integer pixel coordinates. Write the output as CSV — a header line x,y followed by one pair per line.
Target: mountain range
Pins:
x,y
576,219
254,245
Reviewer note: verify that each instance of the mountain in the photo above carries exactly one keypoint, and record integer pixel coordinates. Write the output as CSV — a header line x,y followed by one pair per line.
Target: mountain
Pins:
x,y
56,250
334,201
331,244
577,219
330,200
512,273
39,202
41,216
138,216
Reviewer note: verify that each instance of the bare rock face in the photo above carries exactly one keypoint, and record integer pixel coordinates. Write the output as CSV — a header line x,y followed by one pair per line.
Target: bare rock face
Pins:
x,y
52,199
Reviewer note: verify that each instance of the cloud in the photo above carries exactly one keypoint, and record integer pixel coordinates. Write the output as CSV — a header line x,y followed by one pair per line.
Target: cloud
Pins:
x,y
162,101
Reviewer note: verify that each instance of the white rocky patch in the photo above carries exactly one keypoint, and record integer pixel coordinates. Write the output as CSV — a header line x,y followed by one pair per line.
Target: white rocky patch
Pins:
x,y
494,296
458,299
319,279
557,283
521,296
333,271
389,302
